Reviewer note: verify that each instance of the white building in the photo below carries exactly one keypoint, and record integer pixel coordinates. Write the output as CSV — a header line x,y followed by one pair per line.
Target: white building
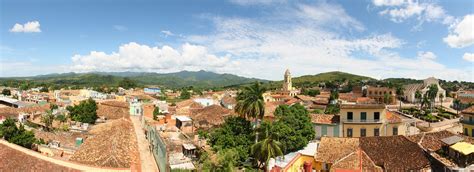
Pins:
x,y
411,89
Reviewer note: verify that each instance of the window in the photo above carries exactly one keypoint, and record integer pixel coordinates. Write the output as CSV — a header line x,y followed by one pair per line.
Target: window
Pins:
x,y
349,132
350,116
370,92
470,119
376,116
395,131
362,132
376,132
472,132
465,132
363,116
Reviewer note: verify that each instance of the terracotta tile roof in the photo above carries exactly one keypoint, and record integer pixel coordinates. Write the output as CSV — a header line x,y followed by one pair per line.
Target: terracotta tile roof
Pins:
x,y
270,108
355,161
332,149
67,139
291,101
392,117
113,144
364,100
229,100
112,112
13,112
321,101
213,115
306,98
394,153
433,141
115,103
469,110
324,118
15,160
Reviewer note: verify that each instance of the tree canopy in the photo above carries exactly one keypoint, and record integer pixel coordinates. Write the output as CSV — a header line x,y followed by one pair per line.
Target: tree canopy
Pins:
x,y
293,127
17,135
86,111
6,92
127,83
236,133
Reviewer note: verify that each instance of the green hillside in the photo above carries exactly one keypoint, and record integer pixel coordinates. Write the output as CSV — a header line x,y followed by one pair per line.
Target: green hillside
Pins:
x,y
315,80
198,79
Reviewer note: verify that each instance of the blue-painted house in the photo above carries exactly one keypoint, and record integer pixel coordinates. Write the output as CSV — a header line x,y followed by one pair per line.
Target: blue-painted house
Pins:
x,y
152,90
326,125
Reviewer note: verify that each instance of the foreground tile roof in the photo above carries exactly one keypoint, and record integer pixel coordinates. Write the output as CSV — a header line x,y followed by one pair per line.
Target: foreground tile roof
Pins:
x,y
355,160
14,160
332,149
113,145
394,153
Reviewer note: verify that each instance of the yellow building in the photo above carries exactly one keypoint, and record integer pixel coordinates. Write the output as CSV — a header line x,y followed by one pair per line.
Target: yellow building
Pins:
x,y
363,120
468,121
296,161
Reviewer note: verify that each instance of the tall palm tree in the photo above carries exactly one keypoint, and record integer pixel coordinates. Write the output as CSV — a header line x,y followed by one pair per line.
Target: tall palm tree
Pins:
x,y
418,97
266,149
250,104
432,94
400,91
441,97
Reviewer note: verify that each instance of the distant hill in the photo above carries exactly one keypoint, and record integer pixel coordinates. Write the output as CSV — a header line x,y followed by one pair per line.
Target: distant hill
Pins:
x,y
314,80
200,79
330,76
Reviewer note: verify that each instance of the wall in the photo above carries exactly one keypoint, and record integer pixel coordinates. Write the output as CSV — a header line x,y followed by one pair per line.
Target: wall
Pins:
x,y
299,162
322,130
356,113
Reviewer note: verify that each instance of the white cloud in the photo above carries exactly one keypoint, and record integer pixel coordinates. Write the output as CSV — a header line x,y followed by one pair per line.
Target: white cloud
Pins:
x,y
469,57
461,33
29,27
426,55
324,13
167,33
120,28
401,10
388,2
137,57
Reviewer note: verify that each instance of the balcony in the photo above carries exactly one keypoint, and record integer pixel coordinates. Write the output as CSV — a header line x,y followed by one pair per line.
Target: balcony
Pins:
x,y
466,121
362,121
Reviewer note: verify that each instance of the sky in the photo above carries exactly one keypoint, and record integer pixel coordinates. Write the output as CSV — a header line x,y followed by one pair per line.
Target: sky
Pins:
x,y
251,38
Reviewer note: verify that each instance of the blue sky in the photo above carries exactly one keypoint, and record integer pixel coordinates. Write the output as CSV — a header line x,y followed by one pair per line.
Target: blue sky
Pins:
x,y
261,38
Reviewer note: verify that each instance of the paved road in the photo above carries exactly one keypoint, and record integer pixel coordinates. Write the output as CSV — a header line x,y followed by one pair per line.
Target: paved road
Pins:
x,y
147,160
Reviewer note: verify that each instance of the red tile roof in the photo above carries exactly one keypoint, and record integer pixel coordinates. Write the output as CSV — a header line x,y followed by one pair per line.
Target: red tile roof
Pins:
x,y
324,118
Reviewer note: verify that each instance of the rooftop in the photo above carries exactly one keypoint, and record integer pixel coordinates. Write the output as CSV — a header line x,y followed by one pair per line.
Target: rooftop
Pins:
x,y
463,147
362,106
324,118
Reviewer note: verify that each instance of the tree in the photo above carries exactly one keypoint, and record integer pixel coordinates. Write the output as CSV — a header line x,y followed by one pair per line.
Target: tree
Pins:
x,y
250,104
85,112
61,118
386,98
6,92
400,91
47,119
10,132
53,106
156,112
185,94
441,97
418,97
266,149
432,93
44,89
235,133
127,83
456,104
292,127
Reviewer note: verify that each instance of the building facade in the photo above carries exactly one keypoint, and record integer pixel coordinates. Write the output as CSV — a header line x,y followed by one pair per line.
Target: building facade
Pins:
x,y
410,90
364,120
468,121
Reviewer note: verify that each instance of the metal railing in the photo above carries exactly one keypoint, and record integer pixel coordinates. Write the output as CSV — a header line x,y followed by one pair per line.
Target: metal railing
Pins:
x,y
362,121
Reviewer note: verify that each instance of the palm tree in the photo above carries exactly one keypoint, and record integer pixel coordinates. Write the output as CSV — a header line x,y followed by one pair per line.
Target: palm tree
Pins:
x,y
266,149
441,96
250,104
418,97
456,103
400,92
432,93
